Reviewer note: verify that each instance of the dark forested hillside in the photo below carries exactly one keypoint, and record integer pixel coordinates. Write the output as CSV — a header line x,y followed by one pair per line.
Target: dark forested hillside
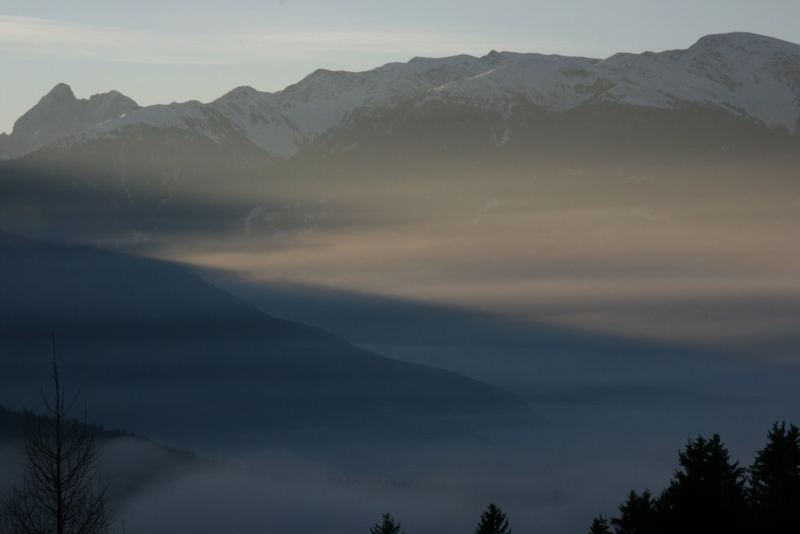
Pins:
x,y
157,350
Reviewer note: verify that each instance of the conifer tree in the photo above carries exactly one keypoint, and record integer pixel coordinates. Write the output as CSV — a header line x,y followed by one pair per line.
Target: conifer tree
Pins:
x,y
387,525
707,492
600,526
637,514
775,482
493,521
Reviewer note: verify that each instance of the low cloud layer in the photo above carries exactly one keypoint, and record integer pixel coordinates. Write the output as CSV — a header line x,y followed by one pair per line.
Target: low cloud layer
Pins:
x,y
680,278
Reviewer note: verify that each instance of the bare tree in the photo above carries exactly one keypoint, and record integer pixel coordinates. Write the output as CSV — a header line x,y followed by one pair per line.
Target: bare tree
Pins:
x,y
59,493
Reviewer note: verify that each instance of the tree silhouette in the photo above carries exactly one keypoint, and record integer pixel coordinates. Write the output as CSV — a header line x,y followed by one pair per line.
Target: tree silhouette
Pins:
x,y
600,526
58,494
493,521
775,481
387,525
707,493
637,514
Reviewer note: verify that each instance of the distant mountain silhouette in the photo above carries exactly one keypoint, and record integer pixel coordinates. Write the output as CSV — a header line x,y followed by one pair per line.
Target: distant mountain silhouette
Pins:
x,y
14,422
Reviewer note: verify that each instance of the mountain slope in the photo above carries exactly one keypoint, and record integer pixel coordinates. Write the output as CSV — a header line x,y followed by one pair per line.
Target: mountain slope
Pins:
x,y
155,349
749,75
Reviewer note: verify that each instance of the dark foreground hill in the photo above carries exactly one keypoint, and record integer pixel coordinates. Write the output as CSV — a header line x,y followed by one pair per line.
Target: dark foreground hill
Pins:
x,y
155,349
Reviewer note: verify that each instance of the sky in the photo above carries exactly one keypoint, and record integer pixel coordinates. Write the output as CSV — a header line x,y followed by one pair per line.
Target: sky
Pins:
x,y
159,51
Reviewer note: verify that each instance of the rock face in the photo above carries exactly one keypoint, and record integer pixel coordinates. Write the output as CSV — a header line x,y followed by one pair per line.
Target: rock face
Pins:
x,y
59,114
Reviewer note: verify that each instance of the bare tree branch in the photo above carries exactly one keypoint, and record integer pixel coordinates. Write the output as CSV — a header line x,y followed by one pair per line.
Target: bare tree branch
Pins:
x,y
59,494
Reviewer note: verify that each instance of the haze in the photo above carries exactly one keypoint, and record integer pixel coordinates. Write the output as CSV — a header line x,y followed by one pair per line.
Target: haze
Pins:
x,y
323,262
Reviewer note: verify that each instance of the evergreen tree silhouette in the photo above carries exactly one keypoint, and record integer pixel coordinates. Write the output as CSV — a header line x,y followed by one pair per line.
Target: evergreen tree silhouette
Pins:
x,y
637,515
707,492
600,526
493,521
775,482
387,525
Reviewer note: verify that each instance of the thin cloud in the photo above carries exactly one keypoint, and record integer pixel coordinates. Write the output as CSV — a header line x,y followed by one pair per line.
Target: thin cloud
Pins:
x,y
27,35
49,37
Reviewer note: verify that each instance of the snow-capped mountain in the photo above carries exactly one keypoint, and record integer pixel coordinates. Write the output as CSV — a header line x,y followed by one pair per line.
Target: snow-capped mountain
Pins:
x,y
282,122
747,74
260,162
59,114
751,76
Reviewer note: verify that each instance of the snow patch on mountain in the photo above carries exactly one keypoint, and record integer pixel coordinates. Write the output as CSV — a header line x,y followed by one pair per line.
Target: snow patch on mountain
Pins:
x,y
192,116
555,82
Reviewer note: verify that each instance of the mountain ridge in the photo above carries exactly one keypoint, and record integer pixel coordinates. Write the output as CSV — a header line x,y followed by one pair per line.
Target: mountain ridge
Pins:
x,y
752,76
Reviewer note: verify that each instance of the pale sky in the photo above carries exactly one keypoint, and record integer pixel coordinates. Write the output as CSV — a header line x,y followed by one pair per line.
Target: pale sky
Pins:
x,y
159,51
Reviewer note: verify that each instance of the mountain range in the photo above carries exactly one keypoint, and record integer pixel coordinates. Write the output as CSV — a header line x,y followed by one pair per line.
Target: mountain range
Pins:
x,y
459,130
751,76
